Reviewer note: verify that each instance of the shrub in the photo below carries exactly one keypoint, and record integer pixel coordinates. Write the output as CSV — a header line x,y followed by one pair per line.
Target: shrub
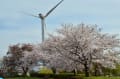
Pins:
x,y
45,70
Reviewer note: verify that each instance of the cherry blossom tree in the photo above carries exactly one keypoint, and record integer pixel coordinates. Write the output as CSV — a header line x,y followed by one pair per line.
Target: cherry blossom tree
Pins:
x,y
21,58
10,61
58,62
82,44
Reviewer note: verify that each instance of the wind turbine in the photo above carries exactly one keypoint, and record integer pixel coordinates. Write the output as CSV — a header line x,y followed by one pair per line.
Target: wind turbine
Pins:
x,y
42,17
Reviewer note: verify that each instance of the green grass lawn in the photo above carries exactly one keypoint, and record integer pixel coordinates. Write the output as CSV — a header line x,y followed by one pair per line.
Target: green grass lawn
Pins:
x,y
78,78
23,78
102,78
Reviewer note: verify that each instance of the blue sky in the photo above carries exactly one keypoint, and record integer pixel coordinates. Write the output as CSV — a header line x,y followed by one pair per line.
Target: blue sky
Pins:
x,y
16,27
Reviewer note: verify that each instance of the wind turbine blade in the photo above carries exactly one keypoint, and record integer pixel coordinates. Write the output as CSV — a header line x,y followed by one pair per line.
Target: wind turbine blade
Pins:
x,y
30,14
53,8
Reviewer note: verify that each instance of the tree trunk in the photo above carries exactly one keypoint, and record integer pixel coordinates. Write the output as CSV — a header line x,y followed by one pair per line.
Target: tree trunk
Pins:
x,y
86,69
95,69
25,71
75,71
95,72
54,70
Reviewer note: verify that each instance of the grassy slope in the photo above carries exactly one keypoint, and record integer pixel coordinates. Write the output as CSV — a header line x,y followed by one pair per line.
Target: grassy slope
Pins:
x,y
102,78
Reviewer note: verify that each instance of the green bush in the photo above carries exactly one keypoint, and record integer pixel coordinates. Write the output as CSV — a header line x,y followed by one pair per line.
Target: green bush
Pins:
x,y
54,76
62,76
45,70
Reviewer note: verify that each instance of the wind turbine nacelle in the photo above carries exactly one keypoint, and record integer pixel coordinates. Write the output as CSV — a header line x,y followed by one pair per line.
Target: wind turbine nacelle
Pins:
x,y
41,16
